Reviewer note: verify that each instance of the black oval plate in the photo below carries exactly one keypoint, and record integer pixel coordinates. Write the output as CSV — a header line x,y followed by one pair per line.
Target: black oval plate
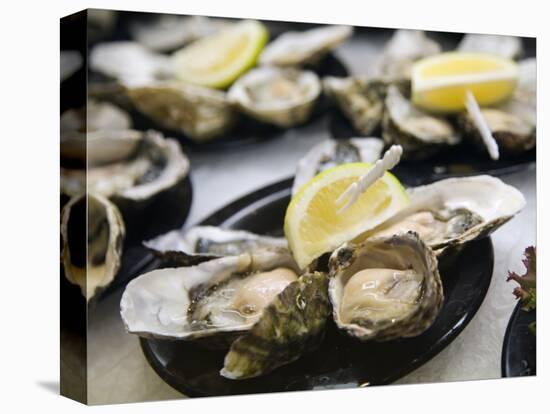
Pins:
x,y
519,350
341,361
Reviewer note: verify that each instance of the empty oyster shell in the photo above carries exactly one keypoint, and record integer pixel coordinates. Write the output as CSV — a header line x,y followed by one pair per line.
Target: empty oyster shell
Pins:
x,y
513,123
419,133
330,153
92,233
291,325
404,48
283,97
385,288
307,47
202,243
201,113
508,47
451,212
223,296
360,100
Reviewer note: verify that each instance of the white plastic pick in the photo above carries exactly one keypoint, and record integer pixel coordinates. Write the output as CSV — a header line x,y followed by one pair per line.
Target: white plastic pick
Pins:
x,y
387,162
479,121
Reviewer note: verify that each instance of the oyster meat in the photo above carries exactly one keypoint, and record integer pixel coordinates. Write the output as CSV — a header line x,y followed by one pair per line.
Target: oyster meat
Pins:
x,y
281,96
419,133
508,47
92,233
203,243
330,153
359,99
513,123
307,47
385,288
226,295
451,212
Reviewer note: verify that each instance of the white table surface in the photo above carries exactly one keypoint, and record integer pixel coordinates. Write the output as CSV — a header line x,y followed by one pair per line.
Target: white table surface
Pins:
x,y
117,369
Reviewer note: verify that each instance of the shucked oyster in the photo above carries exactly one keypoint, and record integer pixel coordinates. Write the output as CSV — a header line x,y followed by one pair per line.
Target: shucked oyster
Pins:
x,y
513,123
508,47
147,78
330,153
385,288
451,212
360,100
224,295
419,133
284,97
202,243
201,113
307,47
92,233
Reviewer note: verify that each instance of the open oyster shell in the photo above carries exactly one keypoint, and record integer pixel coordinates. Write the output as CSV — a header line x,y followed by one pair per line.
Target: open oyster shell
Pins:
x,y
97,134
92,233
385,288
199,112
202,243
419,133
508,47
451,212
403,49
291,325
223,296
307,47
147,79
359,99
513,123
330,153
283,97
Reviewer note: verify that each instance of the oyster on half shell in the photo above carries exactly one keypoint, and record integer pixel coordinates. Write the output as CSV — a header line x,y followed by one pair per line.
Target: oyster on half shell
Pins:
x,y
451,212
202,243
92,233
224,296
385,288
512,123
281,96
360,100
508,47
419,133
302,48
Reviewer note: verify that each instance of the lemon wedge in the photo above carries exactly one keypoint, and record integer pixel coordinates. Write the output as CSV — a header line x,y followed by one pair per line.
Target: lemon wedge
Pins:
x,y
217,60
440,83
313,225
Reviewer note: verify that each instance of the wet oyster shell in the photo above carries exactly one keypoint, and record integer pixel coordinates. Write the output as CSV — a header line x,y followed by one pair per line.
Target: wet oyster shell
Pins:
x,y
420,134
202,243
360,100
200,113
160,303
470,208
400,252
513,123
291,325
330,153
92,233
283,97
302,48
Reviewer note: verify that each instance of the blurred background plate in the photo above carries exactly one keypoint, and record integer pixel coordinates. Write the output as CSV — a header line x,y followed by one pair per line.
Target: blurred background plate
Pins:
x,y
519,351
340,362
